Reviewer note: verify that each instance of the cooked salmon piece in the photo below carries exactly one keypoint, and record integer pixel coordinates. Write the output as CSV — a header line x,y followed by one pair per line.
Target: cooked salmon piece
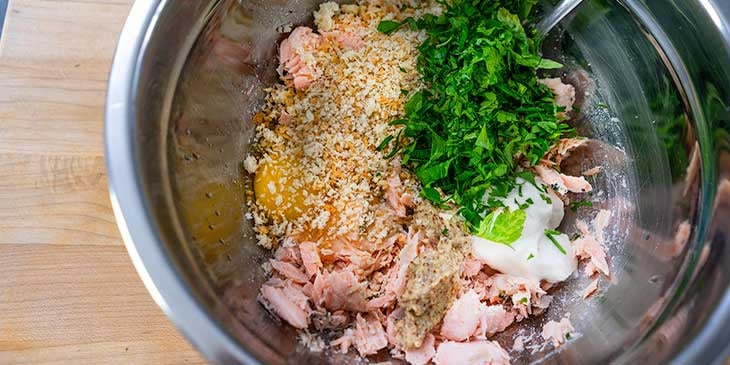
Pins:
x,y
368,335
564,93
405,257
526,296
516,288
297,59
590,289
390,330
310,258
350,41
462,319
289,271
562,150
479,352
397,199
288,302
288,252
468,317
347,251
471,267
422,355
396,279
561,182
339,290
588,247
557,332
494,319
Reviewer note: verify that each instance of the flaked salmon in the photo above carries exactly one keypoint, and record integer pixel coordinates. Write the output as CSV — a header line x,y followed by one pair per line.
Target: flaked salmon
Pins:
x,y
557,332
368,335
479,352
310,258
462,319
561,182
288,302
296,58
339,290
422,355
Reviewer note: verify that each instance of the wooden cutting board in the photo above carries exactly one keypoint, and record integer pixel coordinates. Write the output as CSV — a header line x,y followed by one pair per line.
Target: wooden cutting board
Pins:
x,y
68,290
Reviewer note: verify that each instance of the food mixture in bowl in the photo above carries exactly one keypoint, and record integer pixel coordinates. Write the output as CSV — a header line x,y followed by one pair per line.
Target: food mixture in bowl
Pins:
x,y
407,178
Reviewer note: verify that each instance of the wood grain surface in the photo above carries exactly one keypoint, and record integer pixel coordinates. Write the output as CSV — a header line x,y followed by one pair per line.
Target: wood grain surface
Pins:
x,y
68,290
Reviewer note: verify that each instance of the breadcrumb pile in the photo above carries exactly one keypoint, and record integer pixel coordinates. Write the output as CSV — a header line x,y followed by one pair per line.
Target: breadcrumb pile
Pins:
x,y
332,129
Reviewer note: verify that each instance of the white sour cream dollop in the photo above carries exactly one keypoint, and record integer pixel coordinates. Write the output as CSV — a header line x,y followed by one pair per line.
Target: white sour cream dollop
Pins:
x,y
533,255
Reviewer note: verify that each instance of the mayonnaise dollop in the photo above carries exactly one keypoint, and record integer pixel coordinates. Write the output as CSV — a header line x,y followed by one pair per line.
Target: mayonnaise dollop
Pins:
x,y
533,255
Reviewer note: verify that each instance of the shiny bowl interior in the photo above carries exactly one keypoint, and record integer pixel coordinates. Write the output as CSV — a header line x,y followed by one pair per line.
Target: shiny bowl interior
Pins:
x,y
189,75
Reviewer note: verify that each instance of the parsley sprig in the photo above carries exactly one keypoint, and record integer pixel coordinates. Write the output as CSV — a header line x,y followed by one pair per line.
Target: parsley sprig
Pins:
x,y
483,113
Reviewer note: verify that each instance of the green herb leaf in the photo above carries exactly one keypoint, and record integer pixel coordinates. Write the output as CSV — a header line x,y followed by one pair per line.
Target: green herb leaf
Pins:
x,y
580,203
398,122
483,139
433,173
384,143
551,233
530,257
547,64
414,104
432,195
503,226
388,26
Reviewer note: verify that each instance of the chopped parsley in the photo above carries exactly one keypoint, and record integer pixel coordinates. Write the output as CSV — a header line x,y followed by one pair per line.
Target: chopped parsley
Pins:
x,y
384,143
530,257
551,233
484,114
580,203
388,26
527,202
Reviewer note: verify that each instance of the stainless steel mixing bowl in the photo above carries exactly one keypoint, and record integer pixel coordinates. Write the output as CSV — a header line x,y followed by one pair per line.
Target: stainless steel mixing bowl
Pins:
x,y
188,75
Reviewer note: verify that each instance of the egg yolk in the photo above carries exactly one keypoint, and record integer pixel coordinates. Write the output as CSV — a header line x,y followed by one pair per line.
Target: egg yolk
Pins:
x,y
280,190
